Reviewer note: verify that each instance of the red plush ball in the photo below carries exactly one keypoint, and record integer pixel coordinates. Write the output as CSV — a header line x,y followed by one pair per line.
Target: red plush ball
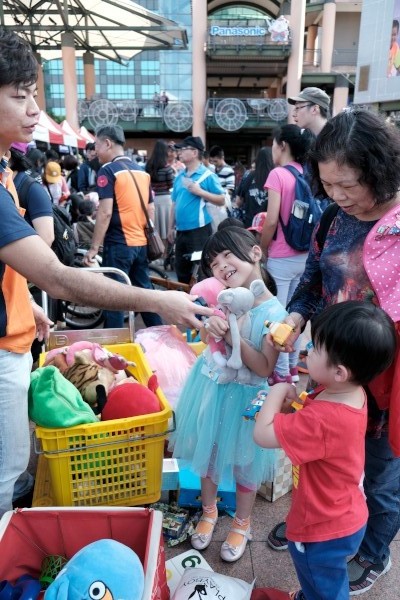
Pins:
x,y
129,400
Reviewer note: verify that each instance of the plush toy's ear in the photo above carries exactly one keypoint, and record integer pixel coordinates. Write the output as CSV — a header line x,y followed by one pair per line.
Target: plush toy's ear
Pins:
x,y
225,297
257,287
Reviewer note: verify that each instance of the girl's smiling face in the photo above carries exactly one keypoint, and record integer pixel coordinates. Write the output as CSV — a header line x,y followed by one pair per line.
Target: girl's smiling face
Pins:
x,y
233,272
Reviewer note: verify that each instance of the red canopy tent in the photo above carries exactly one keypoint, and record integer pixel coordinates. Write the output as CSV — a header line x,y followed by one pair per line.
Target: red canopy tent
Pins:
x,y
47,130
86,134
71,137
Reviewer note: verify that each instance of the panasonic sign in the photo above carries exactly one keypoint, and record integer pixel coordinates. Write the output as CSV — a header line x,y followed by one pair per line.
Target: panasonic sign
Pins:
x,y
238,31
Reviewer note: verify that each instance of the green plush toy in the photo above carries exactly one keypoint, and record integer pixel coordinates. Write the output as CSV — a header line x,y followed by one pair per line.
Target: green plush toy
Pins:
x,y
53,401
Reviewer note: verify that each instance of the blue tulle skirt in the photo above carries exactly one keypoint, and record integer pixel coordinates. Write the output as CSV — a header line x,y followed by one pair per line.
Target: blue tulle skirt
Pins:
x,y
212,434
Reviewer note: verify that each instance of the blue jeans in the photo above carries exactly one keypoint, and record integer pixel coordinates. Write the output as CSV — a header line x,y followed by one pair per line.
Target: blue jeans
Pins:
x,y
15,372
132,260
382,489
321,567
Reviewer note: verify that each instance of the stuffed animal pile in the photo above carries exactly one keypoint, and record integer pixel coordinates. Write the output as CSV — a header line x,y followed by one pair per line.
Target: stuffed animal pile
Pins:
x,y
102,379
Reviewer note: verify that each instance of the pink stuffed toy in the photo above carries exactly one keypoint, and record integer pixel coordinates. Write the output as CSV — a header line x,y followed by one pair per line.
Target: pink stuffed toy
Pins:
x,y
93,351
209,290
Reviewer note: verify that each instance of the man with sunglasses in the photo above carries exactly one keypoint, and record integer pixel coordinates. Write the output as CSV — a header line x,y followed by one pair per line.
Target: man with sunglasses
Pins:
x,y
311,109
193,189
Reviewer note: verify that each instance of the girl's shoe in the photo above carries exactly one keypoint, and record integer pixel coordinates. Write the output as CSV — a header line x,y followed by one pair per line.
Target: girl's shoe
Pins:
x,y
233,553
200,541
294,374
276,378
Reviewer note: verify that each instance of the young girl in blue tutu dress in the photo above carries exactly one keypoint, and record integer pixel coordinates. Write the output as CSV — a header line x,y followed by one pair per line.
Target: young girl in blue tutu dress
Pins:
x,y
211,432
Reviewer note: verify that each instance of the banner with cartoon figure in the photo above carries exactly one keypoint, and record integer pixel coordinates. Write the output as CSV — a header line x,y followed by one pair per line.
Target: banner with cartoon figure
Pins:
x,y
393,68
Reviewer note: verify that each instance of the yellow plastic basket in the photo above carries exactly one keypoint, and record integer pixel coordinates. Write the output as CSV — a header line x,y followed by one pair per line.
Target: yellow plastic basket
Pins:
x,y
115,463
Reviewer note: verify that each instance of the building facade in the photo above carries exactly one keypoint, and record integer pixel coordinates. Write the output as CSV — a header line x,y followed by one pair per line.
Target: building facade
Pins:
x,y
230,86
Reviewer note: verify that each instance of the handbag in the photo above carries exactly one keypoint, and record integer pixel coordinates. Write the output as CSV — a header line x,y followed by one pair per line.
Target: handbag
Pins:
x,y
155,245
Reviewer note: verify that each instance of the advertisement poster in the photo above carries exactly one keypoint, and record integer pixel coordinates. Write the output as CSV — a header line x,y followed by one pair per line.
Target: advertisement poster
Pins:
x,y
393,68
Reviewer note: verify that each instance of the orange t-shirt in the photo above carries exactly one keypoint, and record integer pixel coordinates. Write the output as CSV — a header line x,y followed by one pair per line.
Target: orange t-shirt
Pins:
x,y
17,325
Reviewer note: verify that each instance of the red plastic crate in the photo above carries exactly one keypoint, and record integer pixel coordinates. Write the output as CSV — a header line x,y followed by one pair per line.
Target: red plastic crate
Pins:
x,y
28,535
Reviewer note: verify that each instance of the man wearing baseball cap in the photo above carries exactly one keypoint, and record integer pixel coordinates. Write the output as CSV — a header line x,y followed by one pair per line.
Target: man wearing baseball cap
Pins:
x,y
193,189
311,109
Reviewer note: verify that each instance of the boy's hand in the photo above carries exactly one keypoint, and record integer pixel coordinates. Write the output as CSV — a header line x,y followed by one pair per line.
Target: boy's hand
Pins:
x,y
290,397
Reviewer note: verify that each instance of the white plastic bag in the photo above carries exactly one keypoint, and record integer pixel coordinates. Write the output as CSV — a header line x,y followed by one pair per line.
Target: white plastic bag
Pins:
x,y
196,583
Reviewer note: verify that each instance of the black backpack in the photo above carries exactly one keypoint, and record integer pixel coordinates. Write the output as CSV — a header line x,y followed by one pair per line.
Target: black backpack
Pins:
x,y
306,213
64,245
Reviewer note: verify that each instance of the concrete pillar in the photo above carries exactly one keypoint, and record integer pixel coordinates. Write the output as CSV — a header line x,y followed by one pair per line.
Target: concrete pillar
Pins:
x,y
340,94
70,79
199,72
89,75
41,97
312,32
328,35
295,64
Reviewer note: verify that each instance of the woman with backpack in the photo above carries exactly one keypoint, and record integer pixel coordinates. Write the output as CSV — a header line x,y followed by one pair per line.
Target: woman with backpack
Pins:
x,y
286,265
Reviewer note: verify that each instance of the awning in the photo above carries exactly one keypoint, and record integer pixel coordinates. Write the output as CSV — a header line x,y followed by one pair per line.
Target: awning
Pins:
x,y
86,134
47,130
71,137
114,29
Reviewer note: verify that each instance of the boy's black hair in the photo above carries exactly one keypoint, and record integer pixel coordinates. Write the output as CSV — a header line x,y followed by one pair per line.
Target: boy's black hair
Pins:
x,y
36,158
52,154
18,161
358,335
86,208
237,240
216,152
18,65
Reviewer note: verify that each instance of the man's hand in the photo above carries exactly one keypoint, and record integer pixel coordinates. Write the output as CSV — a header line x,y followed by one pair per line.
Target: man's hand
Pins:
x,y
43,323
171,235
179,308
89,259
195,188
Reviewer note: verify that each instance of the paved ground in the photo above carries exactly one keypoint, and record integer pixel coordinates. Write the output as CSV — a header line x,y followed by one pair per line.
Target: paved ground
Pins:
x,y
275,569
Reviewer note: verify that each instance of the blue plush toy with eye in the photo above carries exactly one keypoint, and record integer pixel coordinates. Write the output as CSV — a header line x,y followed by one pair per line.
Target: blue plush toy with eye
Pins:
x,y
103,570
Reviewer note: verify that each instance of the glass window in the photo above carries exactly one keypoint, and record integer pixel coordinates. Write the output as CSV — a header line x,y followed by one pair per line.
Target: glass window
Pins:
x,y
149,67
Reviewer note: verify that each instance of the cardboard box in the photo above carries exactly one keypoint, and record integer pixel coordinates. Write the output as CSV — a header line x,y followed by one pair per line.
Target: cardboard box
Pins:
x,y
26,536
190,494
282,482
170,474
